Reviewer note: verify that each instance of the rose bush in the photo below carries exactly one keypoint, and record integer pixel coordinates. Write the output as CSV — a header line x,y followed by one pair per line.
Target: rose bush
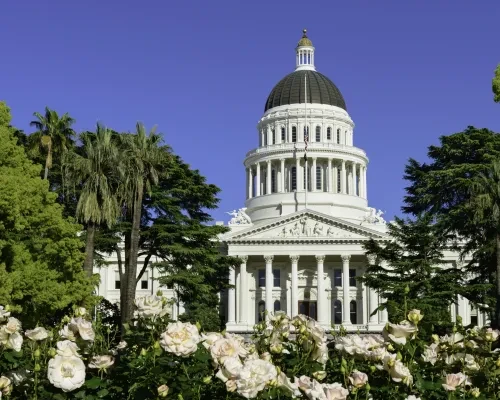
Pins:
x,y
286,357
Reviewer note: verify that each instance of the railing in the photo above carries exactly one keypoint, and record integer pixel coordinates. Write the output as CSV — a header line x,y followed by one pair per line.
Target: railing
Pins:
x,y
299,146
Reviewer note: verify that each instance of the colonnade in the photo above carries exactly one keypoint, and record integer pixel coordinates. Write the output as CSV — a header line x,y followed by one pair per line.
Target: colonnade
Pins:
x,y
337,176
239,294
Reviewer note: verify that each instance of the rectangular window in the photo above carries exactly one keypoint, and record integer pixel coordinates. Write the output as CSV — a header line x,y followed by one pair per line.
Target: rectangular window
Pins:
x,y
283,137
329,134
318,134
294,178
273,181
145,280
352,277
339,183
308,177
294,134
276,277
319,179
117,280
337,277
338,136
262,277
274,136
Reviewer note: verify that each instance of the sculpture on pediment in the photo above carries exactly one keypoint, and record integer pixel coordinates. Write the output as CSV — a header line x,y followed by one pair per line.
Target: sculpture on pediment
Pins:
x,y
306,227
330,232
318,229
239,217
373,216
295,230
283,233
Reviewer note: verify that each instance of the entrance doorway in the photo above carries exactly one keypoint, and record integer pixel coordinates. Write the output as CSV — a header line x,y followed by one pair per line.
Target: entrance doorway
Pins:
x,y
308,308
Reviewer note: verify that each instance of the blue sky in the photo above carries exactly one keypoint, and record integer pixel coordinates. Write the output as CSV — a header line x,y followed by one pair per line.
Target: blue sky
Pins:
x,y
409,71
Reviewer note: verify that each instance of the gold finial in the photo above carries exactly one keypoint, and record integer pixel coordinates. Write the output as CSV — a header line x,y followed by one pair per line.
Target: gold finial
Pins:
x,y
305,41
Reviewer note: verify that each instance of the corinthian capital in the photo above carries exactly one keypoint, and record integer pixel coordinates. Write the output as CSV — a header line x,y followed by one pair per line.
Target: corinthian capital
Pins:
x,y
320,258
294,257
243,259
268,259
345,257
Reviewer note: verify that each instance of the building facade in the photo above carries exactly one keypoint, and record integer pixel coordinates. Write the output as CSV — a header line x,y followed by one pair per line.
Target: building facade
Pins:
x,y
300,235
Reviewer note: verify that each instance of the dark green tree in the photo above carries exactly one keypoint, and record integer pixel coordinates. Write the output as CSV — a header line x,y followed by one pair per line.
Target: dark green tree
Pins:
x,y
40,251
496,85
411,267
444,188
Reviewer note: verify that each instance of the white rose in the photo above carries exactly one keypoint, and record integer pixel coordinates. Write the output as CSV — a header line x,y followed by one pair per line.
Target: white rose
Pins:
x,y
163,391
66,373
67,348
13,325
470,363
415,316
412,397
39,333
18,376
452,339
150,306
288,386
358,379
101,362
491,335
66,333
254,376
320,354
15,341
431,353
180,338
4,335
209,338
400,373
335,391
80,312
453,381
4,382
316,332
399,333
230,370
83,327
227,348
4,314
122,345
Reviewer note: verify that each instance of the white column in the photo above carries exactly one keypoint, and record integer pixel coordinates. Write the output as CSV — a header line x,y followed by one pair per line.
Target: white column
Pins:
x,y
346,310
343,179
257,180
335,178
268,179
354,179
361,181
372,297
282,177
313,176
250,183
297,175
295,285
243,294
349,180
269,284
320,259
365,185
329,187
231,300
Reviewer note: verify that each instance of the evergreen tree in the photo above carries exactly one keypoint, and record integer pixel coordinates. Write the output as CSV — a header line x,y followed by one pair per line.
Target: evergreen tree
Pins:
x,y
411,267
496,85
444,189
40,251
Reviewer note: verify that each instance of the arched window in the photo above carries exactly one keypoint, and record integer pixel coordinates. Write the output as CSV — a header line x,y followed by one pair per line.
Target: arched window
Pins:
x,y
319,178
294,134
318,133
277,305
339,183
338,135
283,134
261,310
354,312
337,312
274,136
346,141
294,178
273,181
328,133
264,133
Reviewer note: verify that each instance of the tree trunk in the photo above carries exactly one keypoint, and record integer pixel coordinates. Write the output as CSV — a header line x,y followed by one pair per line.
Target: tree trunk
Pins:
x,y
88,264
496,319
131,264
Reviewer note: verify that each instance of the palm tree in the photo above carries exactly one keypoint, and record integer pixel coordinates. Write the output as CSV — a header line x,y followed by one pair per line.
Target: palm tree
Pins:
x,y
53,133
142,162
486,199
96,172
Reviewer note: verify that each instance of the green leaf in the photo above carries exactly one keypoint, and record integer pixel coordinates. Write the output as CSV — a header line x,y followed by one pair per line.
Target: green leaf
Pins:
x,y
93,383
103,392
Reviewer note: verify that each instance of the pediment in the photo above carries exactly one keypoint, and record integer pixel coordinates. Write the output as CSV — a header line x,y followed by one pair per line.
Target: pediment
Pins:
x,y
306,225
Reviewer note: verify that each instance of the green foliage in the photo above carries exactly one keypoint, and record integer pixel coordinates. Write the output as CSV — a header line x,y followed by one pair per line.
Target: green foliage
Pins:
x,y
411,266
445,189
496,85
204,314
40,251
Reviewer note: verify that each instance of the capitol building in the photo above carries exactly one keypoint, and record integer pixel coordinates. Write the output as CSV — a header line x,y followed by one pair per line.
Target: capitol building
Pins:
x,y
300,235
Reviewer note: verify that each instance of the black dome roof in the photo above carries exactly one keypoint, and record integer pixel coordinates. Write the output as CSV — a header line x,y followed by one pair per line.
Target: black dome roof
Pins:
x,y
290,90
